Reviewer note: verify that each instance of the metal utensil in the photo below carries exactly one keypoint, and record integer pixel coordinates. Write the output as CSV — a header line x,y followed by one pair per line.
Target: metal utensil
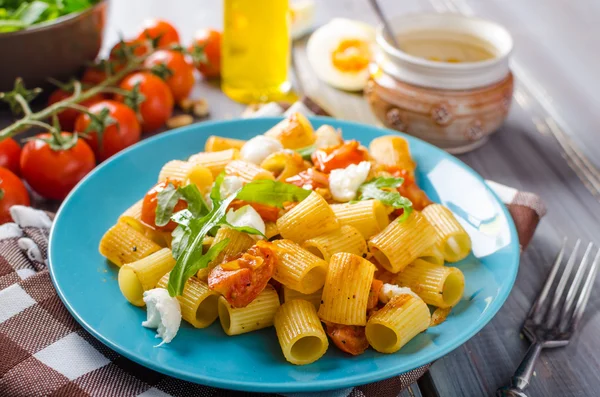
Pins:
x,y
386,26
552,320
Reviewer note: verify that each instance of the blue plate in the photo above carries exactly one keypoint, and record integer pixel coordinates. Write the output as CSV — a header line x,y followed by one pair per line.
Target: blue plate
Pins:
x,y
87,283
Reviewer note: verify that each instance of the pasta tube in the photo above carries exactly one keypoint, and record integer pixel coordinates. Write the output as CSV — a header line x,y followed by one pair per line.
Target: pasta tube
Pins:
x,y
345,239
400,320
284,164
310,218
199,304
294,132
297,268
369,217
433,255
215,161
402,242
392,151
238,242
346,290
289,294
300,332
201,177
175,170
257,315
271,229
437,285
246,171
123,244
133,217
144,274
452,237
219,143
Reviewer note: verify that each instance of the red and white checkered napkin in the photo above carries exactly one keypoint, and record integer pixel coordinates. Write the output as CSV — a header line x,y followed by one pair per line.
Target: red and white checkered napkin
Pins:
x,y
44,351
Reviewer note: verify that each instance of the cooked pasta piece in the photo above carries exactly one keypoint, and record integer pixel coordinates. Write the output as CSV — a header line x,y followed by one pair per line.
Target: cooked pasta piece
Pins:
x,y
294,132
123,244
199,304
284,164
144,274
201,177
310,218
433,255
175,170
402,242
246,171
289,294
346,290
297,268
238,242
369,217
257,315
400,320
345,239
300,332
215,161
133,217
453,239
271,229
135,211
219,143
437,285
392,151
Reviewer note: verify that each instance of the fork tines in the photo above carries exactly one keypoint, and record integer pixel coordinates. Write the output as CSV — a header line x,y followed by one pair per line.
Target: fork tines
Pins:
x,y
556,305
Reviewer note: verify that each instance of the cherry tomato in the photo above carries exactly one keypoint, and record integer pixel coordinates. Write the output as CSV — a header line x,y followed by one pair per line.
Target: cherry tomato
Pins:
x,y
151,201
309,179
12,192
10,152
266,212
140,47
242,278
181,81
93,76
410,189
209,42
157,108
67,117
123,133
53,173
348,338
155,28
334,157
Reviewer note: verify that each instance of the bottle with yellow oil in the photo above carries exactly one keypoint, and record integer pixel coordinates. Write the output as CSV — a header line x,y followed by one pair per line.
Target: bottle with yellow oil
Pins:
x,y
256,50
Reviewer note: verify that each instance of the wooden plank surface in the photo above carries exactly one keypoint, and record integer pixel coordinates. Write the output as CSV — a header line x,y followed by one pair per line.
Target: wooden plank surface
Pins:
x,y
546,146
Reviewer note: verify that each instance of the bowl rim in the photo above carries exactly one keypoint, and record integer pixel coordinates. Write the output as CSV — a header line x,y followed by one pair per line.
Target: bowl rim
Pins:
x,y
53,23
389,48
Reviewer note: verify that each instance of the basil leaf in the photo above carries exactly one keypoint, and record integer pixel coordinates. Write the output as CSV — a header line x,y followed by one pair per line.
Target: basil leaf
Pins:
x,y
196,204
210,256
244,229
306,152
31,12
272,193
373,190
381,182
166,201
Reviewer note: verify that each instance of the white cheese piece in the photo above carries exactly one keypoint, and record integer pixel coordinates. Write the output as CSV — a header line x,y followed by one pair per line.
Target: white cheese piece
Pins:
x,y
230,185
344,183
326,135
246,216
259,148
164,314
388,291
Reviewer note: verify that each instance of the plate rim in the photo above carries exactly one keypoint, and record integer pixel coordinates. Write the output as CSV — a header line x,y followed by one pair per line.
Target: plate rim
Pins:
x,y
313,385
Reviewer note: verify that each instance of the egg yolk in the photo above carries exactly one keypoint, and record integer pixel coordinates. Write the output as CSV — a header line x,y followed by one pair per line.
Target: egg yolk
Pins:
x,y
351,55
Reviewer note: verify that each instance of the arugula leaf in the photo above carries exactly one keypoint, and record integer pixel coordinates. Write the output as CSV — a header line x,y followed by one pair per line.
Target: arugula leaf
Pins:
x,y
215,192
166,201
196,204
306,152
244,229
373,190
210,256
272,193
181,236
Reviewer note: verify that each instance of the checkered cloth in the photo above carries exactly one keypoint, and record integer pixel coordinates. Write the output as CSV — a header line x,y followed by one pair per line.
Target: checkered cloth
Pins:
x,y
45,352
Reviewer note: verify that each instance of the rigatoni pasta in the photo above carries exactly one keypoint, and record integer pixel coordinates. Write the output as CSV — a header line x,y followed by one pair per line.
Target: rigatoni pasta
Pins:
x,y
433,255
219,143
123,244
238,243
289,294
452,237
299,269
369,217
246,171
259,314
175,170
199,304
293,132
215,161
311,217
345,239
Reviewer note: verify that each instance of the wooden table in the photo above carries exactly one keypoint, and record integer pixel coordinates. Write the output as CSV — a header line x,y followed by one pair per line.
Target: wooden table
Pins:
x,y
548,146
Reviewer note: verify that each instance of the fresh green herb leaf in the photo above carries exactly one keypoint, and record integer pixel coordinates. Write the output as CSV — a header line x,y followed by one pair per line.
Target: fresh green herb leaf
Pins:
x,y
30,13
306,152
272,193
166,201
215,193
210,256
196,204
1,193
180,235
373,190
244,229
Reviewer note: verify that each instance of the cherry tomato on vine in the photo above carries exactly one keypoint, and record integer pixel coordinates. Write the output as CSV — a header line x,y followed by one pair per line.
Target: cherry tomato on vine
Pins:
x,y
151,201
124,132
157,107
155,28
93,76
138,47
208,41
10,152
53,165
12,192
67,117
180,73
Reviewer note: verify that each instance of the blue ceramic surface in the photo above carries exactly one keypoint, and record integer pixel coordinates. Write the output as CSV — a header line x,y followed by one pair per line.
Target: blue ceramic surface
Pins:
x,y
87,283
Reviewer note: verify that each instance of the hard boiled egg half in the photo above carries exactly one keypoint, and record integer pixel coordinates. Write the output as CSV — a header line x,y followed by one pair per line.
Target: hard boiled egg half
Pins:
x,y
340,51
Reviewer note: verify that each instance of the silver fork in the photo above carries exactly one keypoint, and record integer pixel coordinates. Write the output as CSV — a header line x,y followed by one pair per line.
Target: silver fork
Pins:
x,y
552,320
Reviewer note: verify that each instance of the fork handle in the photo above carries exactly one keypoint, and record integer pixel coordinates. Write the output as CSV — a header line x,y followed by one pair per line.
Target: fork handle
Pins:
x,y
522,376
